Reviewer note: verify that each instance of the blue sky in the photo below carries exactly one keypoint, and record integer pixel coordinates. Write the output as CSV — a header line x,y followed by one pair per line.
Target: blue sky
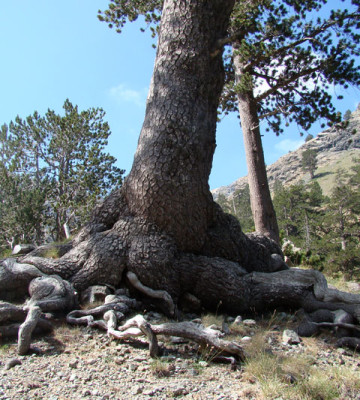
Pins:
x,y
53,50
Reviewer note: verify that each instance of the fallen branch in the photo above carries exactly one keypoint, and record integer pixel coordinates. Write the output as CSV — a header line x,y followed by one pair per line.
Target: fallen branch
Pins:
x,y
337,325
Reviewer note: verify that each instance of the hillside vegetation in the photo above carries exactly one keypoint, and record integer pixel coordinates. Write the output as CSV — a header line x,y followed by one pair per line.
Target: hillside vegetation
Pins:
x,y
318,212
335,148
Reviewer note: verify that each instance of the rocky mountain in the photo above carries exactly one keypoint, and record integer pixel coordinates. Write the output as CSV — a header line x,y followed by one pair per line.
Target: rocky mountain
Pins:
x,y
335,149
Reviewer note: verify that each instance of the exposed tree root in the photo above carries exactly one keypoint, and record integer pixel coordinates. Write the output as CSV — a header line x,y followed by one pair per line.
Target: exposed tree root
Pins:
x,y
189,330
87,317
26,329
12,329
156,294
352,342
233,273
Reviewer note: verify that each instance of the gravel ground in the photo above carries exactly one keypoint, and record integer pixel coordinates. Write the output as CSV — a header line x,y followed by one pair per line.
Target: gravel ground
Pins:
x,y
76,363
91,366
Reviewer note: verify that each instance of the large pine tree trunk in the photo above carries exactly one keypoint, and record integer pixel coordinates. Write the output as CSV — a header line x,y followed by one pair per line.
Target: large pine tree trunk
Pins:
x,y
168,183
261,204
162,227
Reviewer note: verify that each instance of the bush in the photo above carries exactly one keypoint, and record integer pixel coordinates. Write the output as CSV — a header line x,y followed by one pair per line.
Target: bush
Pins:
x,y
346,263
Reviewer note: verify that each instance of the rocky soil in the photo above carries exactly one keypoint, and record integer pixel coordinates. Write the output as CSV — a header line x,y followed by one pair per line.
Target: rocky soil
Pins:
x,y
79,363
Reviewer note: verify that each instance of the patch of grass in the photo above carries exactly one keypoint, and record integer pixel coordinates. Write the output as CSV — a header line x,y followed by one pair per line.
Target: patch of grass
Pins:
x,y
326,176
317,385
6,253
161,368
52,252
212,319
67,333
4,348
296,377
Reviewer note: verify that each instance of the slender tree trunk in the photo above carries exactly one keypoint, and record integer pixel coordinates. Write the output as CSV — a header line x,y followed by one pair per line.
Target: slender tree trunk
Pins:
x,y
307,231
261,203
342,229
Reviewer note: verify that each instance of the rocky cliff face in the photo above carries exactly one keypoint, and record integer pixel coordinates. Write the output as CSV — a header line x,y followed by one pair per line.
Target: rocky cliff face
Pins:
x,y
333,147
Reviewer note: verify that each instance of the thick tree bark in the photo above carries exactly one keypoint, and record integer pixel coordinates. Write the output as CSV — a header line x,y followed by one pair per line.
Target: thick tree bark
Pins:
x,y
261,203
168,183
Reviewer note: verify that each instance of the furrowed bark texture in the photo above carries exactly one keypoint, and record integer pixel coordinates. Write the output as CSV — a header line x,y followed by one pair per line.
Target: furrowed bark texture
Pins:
x,y
177,141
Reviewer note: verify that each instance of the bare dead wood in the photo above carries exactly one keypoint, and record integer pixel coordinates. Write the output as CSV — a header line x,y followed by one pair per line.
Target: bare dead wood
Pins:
x,y
27,328
143,328
110,318
189,330
15,278
120,305
337,325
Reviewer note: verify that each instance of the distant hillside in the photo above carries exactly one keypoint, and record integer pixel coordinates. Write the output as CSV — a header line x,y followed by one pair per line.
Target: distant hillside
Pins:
x,y
335,150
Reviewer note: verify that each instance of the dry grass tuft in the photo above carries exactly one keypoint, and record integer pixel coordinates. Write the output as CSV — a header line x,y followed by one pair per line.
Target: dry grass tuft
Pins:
x,y
212,319
67,333
161,368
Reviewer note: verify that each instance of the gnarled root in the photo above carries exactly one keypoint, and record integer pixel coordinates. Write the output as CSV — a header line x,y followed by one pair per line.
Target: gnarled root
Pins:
x,y
115,307
48,293
26,329
189,330
52,293
156,294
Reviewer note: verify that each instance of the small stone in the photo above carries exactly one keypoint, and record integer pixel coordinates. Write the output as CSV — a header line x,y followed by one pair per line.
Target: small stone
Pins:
x,y
249,322
203,363
137,390
94,293
86,392
133,367
246,339
238,320
181,391
290,337
74,364
193,372
140,359
119,360
12,363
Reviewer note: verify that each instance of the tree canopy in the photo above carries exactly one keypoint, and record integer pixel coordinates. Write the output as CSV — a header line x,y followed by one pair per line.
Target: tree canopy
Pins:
x,y
55,169
292,52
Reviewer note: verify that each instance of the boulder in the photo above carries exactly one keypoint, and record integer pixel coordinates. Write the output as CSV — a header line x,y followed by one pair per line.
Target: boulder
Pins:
x,y
21,249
